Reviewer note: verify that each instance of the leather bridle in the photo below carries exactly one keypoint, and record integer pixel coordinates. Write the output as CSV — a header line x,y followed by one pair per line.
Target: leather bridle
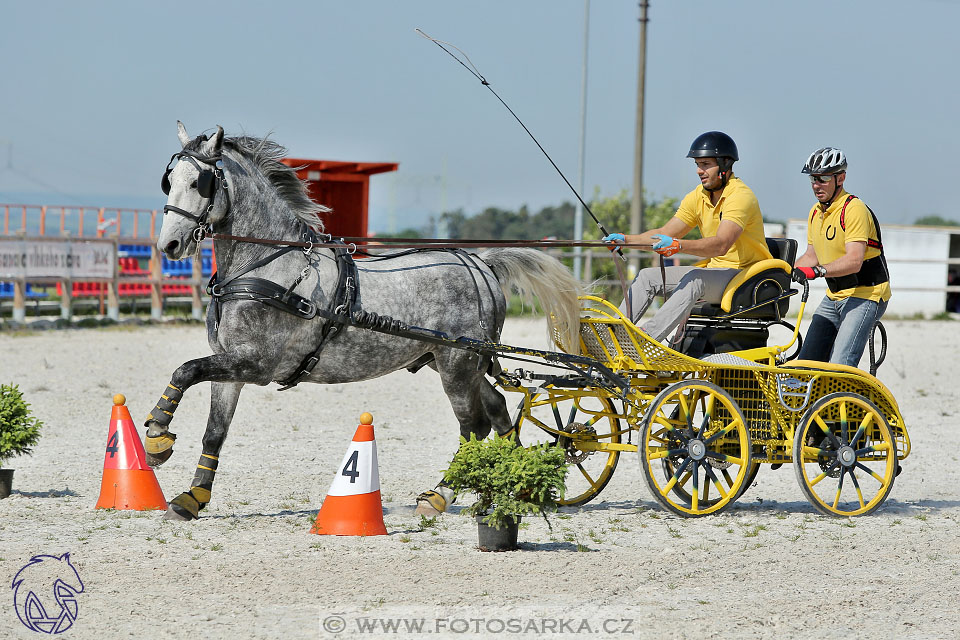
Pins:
x,y
209,182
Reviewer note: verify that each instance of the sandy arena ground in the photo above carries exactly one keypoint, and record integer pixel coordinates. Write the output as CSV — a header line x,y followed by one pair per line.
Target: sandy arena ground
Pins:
x,y
770,566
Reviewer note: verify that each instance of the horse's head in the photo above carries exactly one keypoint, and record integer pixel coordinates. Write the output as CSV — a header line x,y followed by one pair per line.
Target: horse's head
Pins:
x,y
196,189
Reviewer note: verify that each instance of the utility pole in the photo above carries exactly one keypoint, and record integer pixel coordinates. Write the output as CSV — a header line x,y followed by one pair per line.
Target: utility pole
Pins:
x,y
578,216
636,206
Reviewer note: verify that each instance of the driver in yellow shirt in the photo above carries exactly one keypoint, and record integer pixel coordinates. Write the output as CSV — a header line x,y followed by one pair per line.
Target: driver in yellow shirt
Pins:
x,y
843,246
731,228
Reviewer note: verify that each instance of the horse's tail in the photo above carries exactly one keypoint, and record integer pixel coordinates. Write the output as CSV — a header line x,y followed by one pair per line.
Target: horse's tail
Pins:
x,y
533,272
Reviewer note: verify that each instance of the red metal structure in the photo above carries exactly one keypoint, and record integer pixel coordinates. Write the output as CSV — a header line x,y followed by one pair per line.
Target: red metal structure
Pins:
x,y
342,186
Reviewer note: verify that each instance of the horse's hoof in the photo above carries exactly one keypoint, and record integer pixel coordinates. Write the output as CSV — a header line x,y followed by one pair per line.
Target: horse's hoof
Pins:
x,y
183,507
155,460
158,448
424,508
176,514
433,503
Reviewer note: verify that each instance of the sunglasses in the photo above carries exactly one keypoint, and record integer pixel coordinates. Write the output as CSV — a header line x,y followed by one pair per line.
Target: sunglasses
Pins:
x,y
821,179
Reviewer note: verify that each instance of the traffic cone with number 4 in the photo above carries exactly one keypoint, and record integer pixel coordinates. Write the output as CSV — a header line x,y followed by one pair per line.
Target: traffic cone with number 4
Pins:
x,y
353,506
128,482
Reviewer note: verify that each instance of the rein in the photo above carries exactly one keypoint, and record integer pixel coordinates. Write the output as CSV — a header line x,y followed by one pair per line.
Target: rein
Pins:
x,y
351,242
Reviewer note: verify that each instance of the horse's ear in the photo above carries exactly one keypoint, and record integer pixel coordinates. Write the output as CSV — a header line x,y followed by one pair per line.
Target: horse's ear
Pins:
x,y
218,139
212,146
182,134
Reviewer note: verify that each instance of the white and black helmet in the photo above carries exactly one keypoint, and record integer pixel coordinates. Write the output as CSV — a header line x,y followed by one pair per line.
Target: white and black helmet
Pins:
x,y
825,161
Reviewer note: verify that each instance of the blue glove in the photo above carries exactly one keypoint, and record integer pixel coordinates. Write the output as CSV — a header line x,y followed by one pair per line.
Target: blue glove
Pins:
x,y
614,238
662,241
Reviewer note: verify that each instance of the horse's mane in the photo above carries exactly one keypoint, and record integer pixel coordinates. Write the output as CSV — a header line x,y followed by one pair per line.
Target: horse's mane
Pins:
x,y
266,154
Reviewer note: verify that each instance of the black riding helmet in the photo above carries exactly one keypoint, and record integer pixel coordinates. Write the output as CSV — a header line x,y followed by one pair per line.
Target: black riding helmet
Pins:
x,y
716,144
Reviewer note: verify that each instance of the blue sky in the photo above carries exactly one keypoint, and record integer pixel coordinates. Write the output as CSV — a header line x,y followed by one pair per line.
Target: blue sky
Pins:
x,y
93,90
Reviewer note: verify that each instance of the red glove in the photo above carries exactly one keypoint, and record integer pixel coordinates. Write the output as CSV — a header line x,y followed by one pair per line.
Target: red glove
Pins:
x,y
810,273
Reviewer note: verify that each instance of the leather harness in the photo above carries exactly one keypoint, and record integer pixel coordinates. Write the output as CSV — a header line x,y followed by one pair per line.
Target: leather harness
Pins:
x,y
339,307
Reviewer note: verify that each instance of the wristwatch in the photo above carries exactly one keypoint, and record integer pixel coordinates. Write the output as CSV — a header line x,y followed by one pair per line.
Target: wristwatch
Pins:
x,y
820,270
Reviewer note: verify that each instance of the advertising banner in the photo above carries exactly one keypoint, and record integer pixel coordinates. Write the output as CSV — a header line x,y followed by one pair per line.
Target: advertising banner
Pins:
x,y
66,258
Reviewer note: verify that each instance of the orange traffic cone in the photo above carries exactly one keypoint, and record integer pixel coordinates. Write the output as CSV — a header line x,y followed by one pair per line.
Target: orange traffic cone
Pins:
x,y
352,506
128,483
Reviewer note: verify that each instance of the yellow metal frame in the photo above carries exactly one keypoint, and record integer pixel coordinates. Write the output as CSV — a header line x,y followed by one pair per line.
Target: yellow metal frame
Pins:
x,y
762,389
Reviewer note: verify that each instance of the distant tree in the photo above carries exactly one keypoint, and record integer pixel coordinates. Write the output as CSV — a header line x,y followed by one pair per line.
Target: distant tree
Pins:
x,y
454,221
495,224
409,232
614,213
935,221
556,222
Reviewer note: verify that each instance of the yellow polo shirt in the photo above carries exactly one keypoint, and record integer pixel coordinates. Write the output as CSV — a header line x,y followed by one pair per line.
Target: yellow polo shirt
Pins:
x,y
736,204
830,240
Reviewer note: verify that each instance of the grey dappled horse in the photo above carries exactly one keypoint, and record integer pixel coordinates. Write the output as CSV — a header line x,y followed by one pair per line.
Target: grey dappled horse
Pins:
x,y
259,322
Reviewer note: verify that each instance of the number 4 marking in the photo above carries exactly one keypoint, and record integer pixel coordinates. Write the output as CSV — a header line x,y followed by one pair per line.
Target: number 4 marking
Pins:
x,y
113,444
350,469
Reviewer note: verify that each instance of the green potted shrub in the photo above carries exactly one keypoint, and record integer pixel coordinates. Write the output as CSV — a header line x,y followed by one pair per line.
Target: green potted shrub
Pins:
x,y
19,431
509,481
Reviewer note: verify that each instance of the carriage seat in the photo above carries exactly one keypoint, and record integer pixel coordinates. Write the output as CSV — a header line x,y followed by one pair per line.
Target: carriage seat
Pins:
x,y
763,281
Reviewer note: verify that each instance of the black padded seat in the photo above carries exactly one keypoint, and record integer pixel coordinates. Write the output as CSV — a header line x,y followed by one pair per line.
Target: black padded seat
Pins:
x,y
763,281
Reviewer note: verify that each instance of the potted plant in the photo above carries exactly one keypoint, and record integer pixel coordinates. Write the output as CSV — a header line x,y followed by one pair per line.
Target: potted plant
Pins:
x,y
509,481
19,431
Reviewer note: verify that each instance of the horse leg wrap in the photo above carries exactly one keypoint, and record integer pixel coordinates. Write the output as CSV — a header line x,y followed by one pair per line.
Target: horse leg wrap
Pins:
x,y
434,502
162,414
203,479
159,441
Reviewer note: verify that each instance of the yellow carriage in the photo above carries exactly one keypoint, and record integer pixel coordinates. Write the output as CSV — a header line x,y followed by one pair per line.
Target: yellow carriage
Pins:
x,y
703,426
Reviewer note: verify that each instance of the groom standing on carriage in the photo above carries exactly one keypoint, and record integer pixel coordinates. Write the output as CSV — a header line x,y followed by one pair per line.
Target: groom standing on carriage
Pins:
x,y
843,247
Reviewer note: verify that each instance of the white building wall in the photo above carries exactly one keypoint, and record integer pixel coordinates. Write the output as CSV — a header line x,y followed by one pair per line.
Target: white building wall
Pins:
x,y
916,257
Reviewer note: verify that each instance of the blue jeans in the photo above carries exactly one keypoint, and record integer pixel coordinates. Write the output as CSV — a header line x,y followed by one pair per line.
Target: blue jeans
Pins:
x,y
840,329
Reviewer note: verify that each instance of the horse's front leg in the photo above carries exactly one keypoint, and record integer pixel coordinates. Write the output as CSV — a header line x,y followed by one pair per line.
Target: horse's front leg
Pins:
x,y
223,404
221,367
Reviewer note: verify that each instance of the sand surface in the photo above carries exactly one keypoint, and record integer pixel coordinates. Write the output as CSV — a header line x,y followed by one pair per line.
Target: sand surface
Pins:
x,y
769,566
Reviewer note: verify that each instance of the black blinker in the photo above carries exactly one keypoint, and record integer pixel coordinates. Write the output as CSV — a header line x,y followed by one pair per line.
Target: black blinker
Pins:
x,y
205,184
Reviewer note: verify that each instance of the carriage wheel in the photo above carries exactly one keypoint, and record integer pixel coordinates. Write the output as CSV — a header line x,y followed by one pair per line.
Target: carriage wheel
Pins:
x,y
669,465
580,422
694,448
844,455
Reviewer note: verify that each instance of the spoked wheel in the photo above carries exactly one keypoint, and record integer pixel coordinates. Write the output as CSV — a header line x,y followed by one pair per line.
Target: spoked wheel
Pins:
x,y
694,448
844,455
669,465
586,426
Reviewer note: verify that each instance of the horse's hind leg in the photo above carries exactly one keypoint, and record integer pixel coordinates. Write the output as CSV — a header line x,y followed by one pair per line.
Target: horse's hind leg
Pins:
x,y
223,404
479,407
